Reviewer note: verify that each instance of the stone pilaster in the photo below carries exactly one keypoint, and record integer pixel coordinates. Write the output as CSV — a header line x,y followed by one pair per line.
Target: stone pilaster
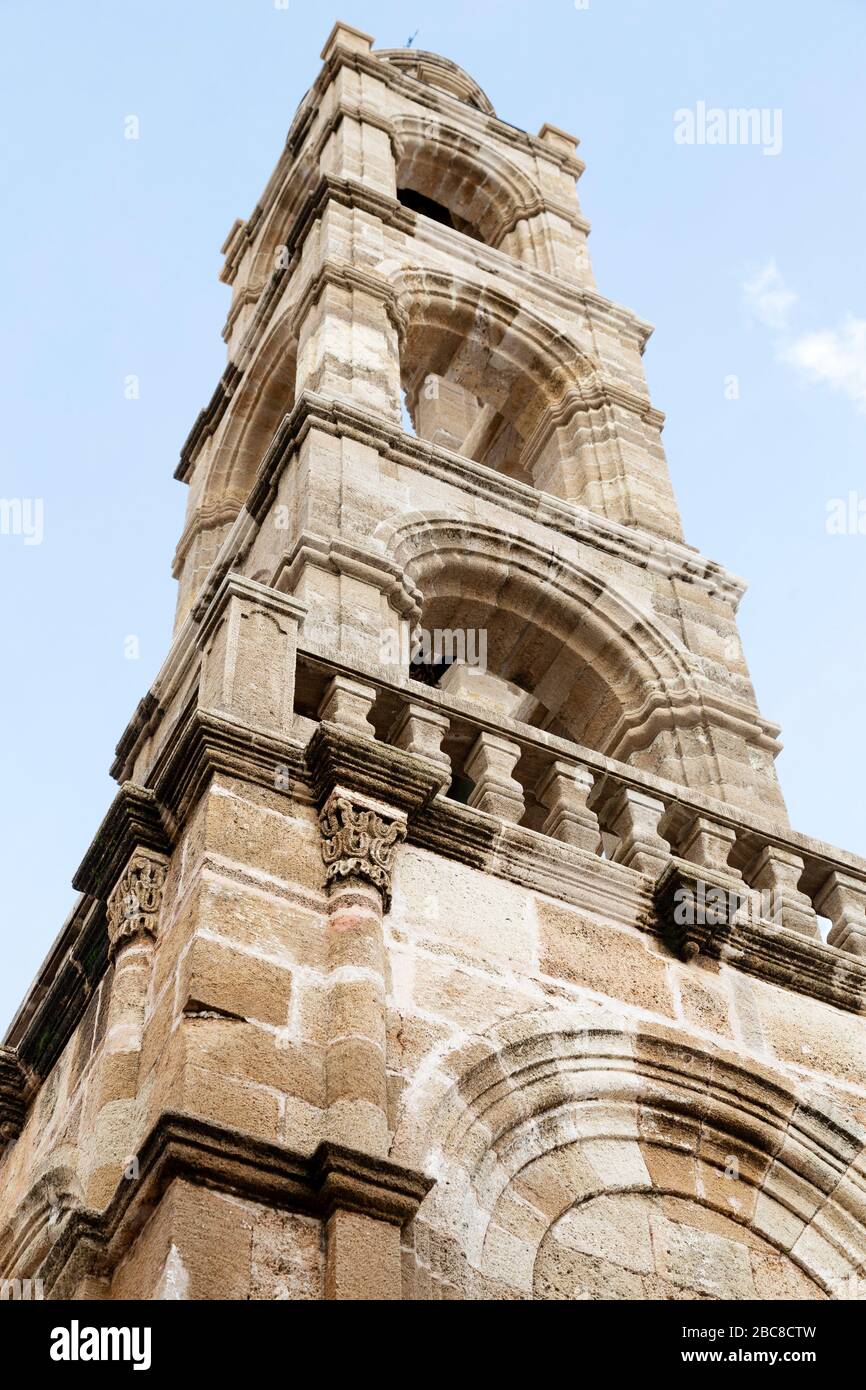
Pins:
x,y
359,841
134,907
248,637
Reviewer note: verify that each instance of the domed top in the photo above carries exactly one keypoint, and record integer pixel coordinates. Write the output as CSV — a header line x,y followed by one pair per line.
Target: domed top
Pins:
x,y
438,72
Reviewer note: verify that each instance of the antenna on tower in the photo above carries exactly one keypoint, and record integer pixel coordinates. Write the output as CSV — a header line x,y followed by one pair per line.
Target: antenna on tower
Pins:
x,y
412,38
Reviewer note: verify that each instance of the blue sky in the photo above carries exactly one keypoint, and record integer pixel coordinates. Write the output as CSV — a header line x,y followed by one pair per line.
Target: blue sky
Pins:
x,y
750,265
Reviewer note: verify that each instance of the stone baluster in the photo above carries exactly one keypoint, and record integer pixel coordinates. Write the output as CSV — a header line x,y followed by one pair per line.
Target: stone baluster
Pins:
x,y
491,761
418,729
708,843
565,789
348,702
776,872
843,899
634,816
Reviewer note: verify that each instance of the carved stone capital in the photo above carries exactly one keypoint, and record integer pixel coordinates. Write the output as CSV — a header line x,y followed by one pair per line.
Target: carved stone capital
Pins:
x,y
359,839
135,902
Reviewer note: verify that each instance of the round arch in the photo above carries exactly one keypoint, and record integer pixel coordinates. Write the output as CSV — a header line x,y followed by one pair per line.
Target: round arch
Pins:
x,y
611,675
584,1152
500,351
478,184
264,396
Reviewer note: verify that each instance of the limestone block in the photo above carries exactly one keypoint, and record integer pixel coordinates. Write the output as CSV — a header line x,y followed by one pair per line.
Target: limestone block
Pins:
x,y
601,959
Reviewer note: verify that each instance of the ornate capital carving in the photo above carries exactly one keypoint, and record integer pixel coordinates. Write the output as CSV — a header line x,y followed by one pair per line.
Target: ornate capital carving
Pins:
x,y
134,904
359,839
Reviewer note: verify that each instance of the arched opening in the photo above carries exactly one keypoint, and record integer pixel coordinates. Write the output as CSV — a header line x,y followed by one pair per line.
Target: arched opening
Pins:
x,y
555,645
488,378
485,194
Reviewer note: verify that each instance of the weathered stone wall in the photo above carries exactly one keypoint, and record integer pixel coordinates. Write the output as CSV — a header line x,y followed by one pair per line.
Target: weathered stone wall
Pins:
x,y
377,987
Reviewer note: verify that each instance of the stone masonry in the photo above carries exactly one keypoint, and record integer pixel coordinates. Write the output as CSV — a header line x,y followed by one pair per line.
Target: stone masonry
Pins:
x,y
489,968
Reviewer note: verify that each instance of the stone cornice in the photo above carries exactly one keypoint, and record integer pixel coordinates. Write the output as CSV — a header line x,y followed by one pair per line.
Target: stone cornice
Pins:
x,y
14,1089
421,95
312,200
134,820
338,757
181,1146
244,234
210,608
203,743
58,997
340,557
207,420
338,417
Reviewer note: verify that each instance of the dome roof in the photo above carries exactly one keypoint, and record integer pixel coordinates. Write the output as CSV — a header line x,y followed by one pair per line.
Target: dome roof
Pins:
x,y
438,72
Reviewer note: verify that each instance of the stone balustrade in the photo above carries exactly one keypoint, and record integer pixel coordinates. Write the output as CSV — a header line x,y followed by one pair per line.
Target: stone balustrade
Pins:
x,y
599,807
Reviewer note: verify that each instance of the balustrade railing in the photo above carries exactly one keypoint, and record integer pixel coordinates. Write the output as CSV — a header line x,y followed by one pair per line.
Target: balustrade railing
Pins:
x,y
527,776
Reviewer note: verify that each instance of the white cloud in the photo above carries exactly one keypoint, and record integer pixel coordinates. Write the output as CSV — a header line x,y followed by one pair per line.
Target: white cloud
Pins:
x,y
835,356
769,297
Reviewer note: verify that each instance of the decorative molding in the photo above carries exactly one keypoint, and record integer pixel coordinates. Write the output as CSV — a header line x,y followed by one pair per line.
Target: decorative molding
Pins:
x,y
202,743
336,756
136,819
359,840
14,1088
181,1146
348,1180
62,990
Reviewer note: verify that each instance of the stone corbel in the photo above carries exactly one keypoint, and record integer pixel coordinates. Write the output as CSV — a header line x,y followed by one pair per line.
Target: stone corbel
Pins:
x,y
695,910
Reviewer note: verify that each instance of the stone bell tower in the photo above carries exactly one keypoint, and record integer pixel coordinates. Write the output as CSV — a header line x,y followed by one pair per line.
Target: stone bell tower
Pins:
x,y
447,936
